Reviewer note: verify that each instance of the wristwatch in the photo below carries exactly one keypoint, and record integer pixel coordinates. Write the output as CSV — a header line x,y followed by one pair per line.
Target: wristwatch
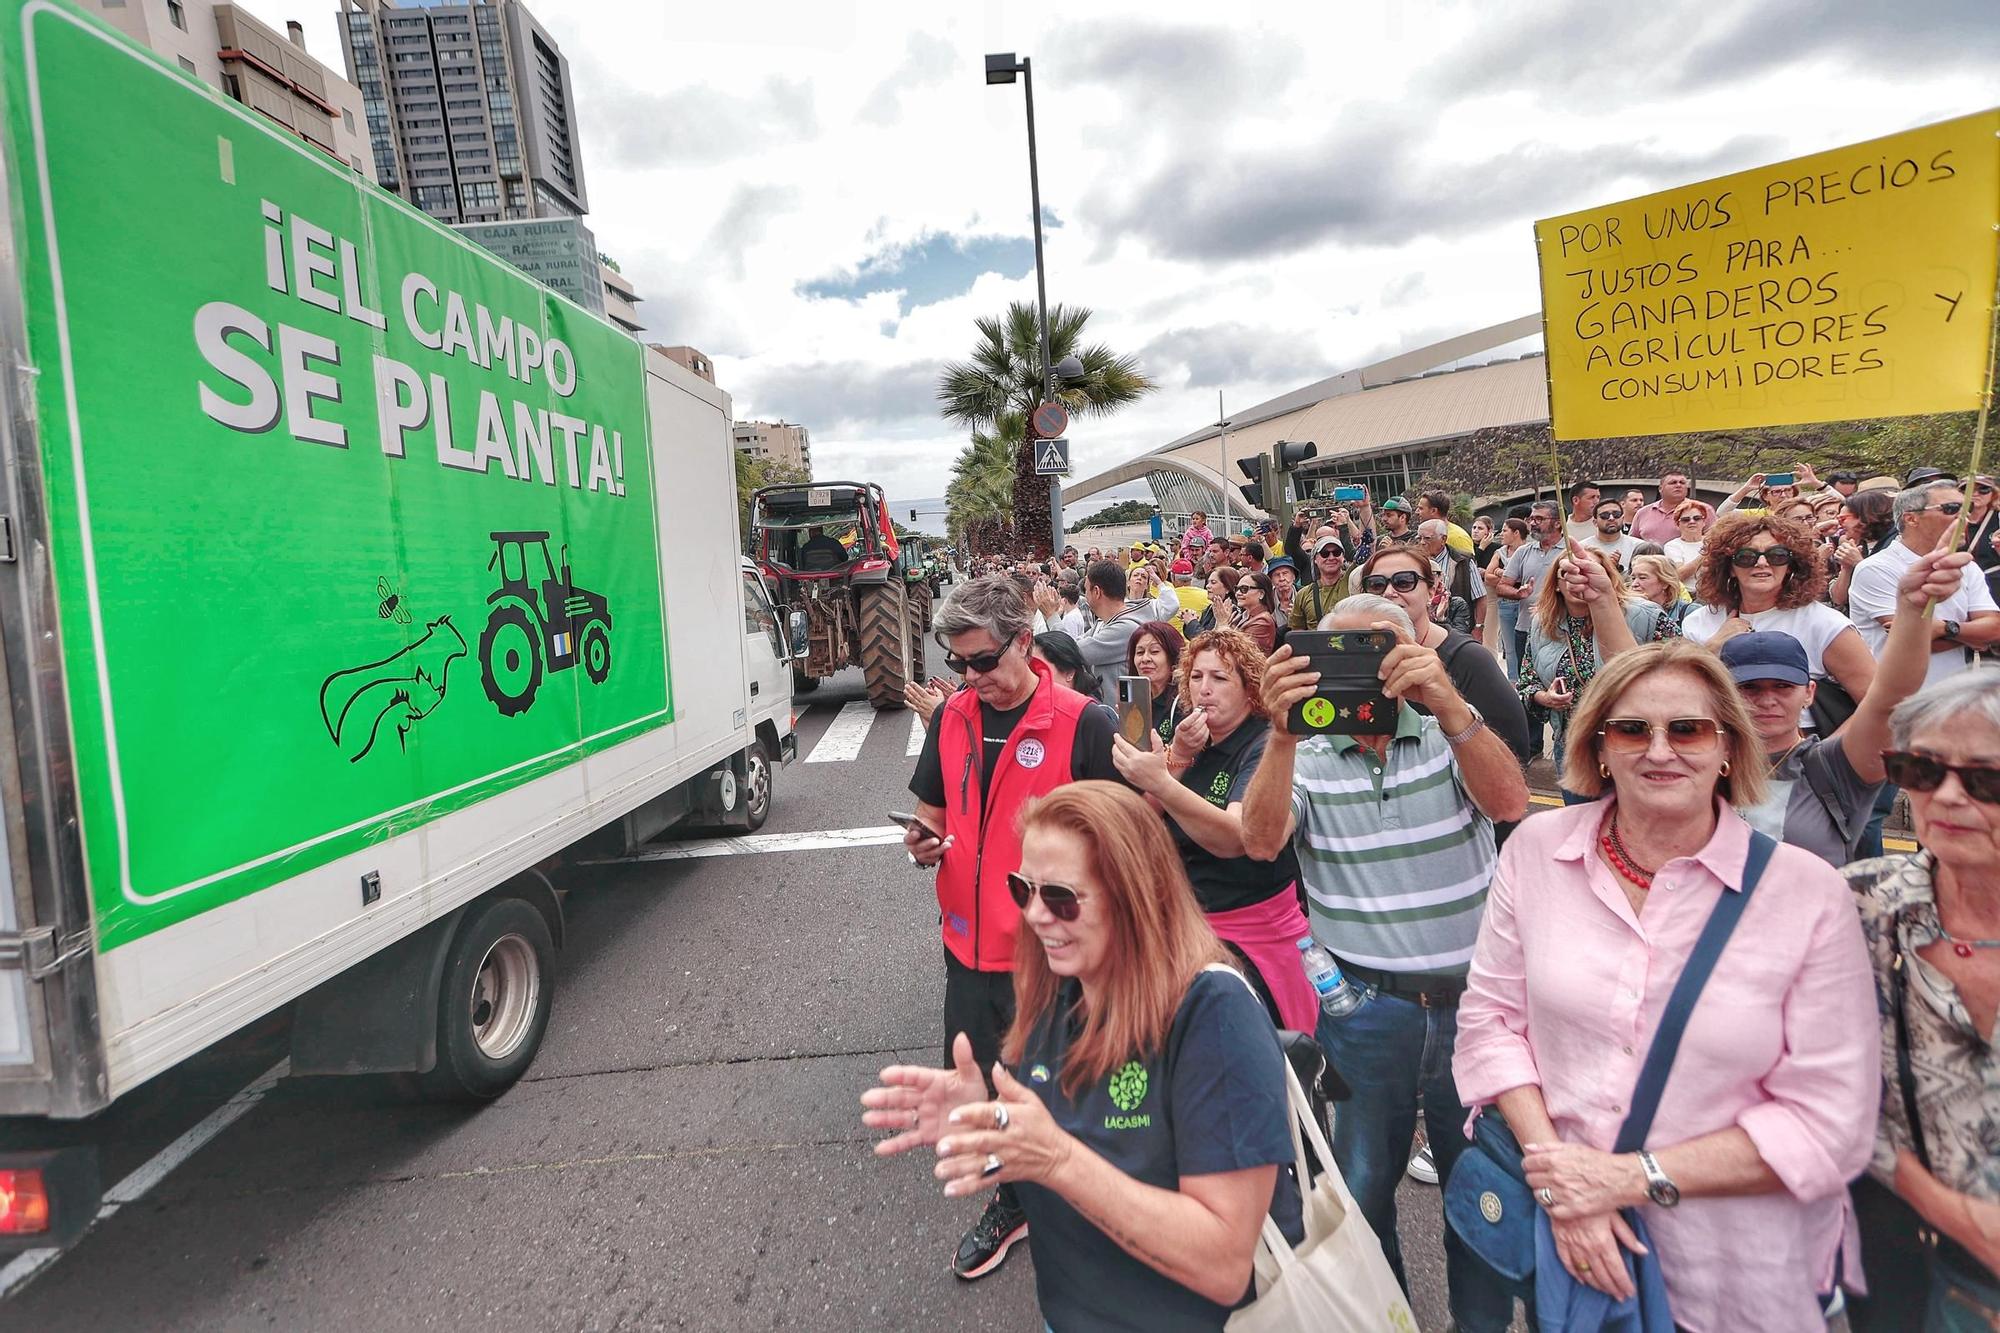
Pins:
x,y
1472,728
1950,628
1658,1188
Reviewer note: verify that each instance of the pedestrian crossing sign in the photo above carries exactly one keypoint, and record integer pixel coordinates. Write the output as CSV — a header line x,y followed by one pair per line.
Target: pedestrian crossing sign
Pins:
x,y
1052,458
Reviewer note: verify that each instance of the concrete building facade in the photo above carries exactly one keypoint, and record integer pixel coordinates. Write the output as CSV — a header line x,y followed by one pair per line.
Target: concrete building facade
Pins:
x,y
688,358
228,48
780,441
621,299
470,111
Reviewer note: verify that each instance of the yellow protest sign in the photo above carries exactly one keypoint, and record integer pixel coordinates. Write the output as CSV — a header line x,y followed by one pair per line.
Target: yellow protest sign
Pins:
x,y
1850,284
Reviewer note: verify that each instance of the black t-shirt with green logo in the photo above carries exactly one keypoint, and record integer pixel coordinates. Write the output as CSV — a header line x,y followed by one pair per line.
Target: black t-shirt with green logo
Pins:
x,y
1221,776
1212,1101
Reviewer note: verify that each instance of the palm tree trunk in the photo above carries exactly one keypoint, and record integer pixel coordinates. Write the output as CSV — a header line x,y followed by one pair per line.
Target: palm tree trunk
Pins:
x,y
1032,525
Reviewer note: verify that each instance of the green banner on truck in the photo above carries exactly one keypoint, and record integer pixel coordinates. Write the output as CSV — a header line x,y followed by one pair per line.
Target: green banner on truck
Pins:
x,y
351,524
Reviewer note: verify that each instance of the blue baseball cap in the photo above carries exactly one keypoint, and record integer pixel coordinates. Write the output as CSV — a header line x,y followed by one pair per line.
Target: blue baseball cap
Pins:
x,y
1767,655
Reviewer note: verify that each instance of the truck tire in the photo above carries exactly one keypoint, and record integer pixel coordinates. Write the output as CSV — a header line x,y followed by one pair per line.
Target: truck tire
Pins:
x,y
885,644
493,1003
802,683
759,780
920,624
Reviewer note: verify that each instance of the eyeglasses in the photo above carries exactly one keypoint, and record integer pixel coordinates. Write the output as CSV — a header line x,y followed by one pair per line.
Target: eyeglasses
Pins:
x,y
1063,902
1689,518
1604,514
1949,508
1776,556
1403,580
1329,553
1924,773
980,662
1983,489
1685,735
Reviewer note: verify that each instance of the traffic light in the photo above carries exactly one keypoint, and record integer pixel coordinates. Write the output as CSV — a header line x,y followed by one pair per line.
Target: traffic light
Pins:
x,y
1261,488
1291,453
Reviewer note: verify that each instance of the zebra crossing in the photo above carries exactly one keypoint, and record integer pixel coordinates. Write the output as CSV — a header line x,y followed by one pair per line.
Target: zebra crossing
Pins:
x,y
843,738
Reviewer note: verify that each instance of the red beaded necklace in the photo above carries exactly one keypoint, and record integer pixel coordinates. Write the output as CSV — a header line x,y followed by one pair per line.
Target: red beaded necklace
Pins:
x,y
1622,860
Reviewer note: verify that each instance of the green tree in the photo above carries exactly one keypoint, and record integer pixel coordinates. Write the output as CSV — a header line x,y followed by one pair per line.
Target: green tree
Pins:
x,y
1005,375
979,499
1125,511
754,472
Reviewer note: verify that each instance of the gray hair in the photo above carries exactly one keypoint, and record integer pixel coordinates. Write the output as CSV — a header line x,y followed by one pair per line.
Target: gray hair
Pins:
x,y
1546,507
1378,608
1968,693
1918,498
992,603
1433,527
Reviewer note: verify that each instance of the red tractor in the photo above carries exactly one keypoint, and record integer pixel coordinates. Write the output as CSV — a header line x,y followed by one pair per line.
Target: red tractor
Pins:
x,y
829,551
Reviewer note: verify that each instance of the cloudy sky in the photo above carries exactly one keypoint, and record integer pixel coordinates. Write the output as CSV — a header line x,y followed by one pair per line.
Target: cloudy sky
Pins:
x,y
823,196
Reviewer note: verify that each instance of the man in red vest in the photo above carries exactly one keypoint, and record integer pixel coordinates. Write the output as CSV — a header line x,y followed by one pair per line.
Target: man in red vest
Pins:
x,y
1010,735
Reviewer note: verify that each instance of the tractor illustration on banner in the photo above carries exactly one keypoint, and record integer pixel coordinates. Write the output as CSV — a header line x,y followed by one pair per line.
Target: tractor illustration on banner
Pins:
x,y
530,631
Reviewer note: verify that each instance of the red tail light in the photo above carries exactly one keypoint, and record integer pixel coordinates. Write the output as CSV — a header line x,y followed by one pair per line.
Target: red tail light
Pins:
x,y
24,1203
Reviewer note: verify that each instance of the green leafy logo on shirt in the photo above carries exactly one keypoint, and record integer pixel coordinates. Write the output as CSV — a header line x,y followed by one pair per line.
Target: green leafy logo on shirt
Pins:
x,y
1218,790
1128,1086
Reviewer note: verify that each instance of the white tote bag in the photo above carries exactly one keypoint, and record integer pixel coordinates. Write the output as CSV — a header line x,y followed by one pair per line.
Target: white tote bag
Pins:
x,y
1337,1281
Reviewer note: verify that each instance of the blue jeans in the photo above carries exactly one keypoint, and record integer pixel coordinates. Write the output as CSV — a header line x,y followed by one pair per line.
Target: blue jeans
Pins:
x,y
1391,1051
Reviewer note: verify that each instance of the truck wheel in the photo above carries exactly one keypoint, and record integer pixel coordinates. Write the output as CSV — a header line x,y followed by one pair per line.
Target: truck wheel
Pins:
x,y
596,652
493,1005
510,660
920,624
758,783
802,683
885,644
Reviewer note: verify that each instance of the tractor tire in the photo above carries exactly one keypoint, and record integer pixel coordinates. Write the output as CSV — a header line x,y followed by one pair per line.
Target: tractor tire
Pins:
x,y
595,652
920,624
885,644
505,687
802,683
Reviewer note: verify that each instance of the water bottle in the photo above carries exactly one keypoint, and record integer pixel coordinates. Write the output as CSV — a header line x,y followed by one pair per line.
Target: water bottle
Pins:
x,y
1338,996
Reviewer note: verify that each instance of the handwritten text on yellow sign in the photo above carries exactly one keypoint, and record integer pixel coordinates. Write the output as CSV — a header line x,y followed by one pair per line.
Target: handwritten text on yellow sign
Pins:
x,y
1854,283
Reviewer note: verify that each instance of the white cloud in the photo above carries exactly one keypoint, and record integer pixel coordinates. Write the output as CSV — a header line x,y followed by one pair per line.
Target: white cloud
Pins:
x,y
1245,201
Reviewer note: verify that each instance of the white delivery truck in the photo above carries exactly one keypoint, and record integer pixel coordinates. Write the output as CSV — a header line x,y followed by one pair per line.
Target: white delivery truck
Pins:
x,y
352,585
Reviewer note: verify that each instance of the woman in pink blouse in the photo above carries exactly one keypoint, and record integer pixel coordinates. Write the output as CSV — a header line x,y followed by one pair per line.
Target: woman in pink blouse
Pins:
x,y
1770,1107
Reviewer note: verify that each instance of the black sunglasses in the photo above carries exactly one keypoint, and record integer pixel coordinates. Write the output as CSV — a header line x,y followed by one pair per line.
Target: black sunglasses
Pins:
x,y
1403,580
1776,556
1949,508
980,662
1923,773
1061,900
1603,514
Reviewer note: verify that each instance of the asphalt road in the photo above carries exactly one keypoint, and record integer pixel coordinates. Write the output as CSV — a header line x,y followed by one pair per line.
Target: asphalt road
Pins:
x,y
686,1151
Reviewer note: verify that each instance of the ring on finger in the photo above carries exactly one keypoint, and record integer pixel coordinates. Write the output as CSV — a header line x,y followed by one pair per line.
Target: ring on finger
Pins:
x,y
1583,1265
1547,1196
1000,1116
993,1165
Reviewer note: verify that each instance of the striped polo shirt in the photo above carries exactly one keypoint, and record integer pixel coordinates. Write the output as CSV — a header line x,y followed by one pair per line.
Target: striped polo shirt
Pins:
x,y
1395,856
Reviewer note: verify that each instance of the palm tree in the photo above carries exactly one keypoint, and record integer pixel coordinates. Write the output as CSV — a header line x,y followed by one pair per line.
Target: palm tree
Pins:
x,y
979,501
1005,375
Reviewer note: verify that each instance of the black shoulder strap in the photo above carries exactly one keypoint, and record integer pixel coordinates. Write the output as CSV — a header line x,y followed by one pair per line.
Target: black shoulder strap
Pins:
x,y
1899,999
1680,1005
1816,778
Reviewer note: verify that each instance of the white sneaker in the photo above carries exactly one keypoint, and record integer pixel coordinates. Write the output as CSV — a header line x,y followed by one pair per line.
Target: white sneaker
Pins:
x,y
1422,1168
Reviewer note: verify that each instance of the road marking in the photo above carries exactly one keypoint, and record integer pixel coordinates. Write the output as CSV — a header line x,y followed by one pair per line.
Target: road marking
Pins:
x,y
916,745
155,1169
842,740
1888,844
873,835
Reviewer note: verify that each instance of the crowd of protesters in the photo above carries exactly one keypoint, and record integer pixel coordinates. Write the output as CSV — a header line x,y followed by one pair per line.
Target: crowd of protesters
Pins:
x,y
1730,697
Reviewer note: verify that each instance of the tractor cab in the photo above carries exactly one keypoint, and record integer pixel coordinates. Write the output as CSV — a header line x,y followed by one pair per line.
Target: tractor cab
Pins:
x,y
821,532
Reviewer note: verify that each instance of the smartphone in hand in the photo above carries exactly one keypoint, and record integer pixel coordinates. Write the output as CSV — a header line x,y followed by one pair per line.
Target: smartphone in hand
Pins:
x,y
1348,700
909,821
1135,710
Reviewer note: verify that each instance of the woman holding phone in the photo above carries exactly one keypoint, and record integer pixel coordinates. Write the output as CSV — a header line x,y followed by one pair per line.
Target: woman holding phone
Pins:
x,y
1584,616
1155,653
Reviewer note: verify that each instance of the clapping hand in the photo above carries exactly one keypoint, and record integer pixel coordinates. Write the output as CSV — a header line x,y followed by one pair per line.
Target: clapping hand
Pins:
x,y
914,1100
1010,1138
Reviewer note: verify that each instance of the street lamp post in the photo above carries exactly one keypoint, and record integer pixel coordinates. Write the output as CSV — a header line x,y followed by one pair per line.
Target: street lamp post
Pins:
x,y
1002,69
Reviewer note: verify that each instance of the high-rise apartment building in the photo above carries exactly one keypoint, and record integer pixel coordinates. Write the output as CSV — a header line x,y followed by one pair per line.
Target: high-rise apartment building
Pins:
x,y
225,47
778,440
470,111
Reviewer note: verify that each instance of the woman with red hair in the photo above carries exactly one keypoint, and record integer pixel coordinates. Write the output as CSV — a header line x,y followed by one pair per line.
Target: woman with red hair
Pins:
x,y
1141,1105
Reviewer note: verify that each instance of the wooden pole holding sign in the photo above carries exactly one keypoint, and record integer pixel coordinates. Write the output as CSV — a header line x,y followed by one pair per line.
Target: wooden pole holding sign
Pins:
x,y
1972,470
